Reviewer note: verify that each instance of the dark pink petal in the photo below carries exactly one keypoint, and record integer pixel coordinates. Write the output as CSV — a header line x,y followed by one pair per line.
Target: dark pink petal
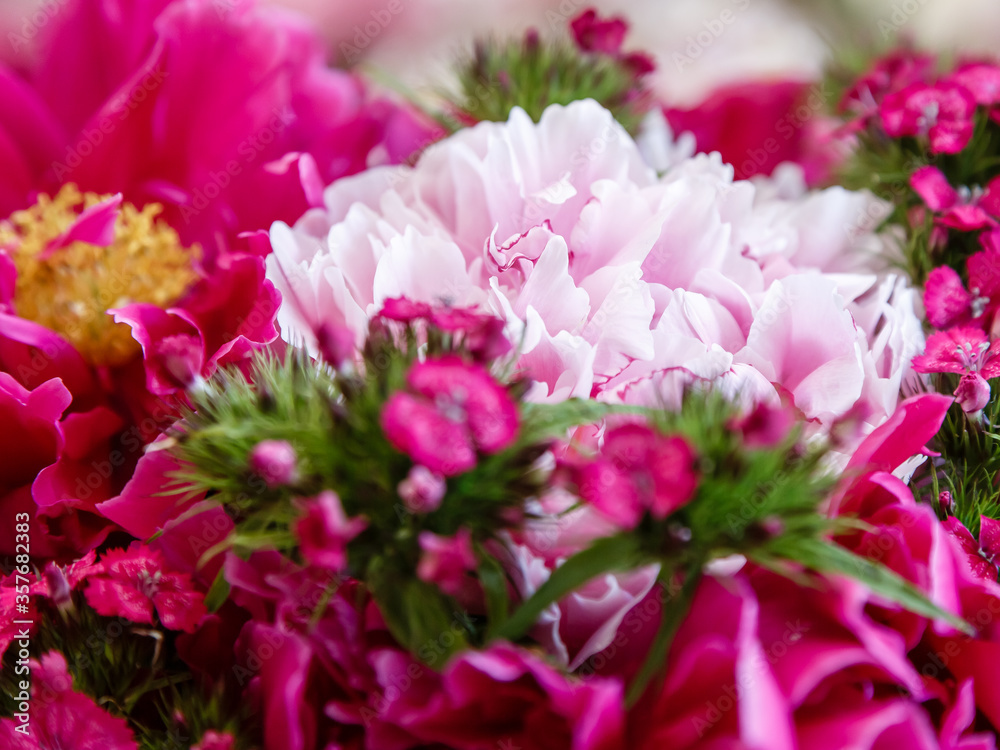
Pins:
x,y
404,310
116,598
984,273
445,561
324,531
945,298
967,217
95,226
142,508
612,492
490,412
180,610
415,427
672,465
915,421
932,186
989,536
981,79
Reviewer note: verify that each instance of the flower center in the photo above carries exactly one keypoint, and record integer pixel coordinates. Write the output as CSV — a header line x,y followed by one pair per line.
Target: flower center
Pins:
x,y
69,289
929,116
971,356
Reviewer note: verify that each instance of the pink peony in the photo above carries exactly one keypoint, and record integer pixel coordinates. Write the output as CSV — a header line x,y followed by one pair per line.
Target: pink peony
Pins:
x,y
51,468
757,125
62,717
455,410
154,126
132,583
612,282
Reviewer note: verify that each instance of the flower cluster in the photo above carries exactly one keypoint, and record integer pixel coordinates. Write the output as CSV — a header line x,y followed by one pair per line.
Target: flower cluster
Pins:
x,y
324,429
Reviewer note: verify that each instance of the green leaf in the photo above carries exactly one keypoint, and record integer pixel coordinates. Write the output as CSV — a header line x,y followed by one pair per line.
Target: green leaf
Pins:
x,y
674,611
603,556
542,422
218,592
827,557
494,582
418,614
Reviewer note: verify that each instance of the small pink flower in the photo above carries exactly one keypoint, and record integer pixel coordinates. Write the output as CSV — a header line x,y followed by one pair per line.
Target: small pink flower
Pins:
x,y
966,351
133,582
213,740
945,298
639,470
275,462
890,73
981,79
446,560
456,408
968,211
422,491
595,34
979,559
482,333
943,112
61,717
325,530
764,427
961,350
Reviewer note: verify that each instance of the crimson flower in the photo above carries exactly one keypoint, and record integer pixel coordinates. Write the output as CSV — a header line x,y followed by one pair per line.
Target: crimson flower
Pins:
x,y
133,582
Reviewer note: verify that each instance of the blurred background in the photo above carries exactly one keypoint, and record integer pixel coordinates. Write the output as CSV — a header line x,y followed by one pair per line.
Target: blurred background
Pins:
x,y
699,45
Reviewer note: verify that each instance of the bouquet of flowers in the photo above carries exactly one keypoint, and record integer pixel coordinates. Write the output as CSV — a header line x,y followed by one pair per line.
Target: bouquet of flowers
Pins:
x,y
533,413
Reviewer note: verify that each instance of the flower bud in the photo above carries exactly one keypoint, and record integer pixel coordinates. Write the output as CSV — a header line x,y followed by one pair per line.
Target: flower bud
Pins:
x,y
275,462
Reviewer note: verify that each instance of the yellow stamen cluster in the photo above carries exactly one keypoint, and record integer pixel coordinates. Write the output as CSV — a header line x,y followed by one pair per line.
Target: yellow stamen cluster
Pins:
x,y
70,290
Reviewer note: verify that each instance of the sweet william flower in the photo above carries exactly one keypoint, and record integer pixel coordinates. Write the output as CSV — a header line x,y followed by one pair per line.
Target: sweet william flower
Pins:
x,y
62,717
965,212
942,112
947,301
324,531
452,410
446,560
639,470
966,351
133,583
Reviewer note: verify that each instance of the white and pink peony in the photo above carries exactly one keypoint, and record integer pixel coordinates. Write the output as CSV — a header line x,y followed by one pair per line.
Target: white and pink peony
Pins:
x,y
614,282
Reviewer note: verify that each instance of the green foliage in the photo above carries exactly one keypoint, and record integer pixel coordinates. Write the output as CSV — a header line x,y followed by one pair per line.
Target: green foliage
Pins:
x,y
332,419
969,464
884,166
533,74
763,503
132,671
